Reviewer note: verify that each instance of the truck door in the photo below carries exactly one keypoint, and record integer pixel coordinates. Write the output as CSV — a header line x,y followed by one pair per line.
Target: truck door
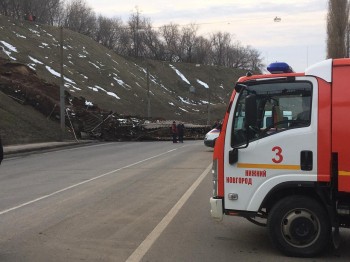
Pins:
x,y
281,150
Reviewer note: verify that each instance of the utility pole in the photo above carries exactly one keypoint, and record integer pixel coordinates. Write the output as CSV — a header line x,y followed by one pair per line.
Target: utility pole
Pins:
x,y
62,102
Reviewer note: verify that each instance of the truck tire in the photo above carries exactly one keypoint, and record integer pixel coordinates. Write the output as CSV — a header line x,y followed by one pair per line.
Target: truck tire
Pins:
x,y
299,226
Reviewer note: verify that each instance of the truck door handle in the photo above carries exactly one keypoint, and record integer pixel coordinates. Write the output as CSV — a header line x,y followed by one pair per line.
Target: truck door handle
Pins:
x,y
306,160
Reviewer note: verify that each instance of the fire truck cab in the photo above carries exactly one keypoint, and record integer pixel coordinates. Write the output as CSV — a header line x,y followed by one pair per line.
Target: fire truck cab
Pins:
x,y
293,174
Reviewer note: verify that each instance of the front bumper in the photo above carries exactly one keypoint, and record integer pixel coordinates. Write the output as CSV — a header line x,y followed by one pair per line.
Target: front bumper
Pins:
x,y
216,209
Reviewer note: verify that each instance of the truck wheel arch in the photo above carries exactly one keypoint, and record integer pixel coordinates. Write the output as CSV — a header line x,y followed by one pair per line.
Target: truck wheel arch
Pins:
x,y
290,188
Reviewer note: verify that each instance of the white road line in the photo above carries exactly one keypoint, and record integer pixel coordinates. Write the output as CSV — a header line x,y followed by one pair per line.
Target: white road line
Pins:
x,y
142,249
84,182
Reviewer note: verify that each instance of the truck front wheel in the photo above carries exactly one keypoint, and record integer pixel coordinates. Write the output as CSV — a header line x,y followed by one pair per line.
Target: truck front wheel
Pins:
x,y
299,226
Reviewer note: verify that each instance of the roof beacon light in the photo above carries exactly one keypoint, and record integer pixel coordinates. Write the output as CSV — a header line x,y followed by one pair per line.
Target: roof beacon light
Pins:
x,y
279,68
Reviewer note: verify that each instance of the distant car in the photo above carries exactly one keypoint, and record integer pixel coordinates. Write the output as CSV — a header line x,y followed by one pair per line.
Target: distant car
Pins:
x,y
211,136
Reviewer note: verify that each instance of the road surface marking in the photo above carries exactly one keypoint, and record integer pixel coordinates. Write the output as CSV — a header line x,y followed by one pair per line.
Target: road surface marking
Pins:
x,y
83,182
146,244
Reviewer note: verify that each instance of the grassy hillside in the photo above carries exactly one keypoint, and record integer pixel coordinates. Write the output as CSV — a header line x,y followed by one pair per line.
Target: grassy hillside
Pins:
x,y
22,124
93,73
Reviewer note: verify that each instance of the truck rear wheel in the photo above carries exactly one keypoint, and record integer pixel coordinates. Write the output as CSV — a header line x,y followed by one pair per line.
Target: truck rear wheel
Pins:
x,y
299,226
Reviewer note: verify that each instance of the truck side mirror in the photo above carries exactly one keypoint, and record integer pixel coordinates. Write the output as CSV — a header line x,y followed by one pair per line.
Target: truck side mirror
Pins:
x,y
233,156
250,111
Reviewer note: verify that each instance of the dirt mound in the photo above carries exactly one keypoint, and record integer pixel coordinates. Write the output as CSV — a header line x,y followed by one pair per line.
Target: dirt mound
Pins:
x,y
22,84
17,68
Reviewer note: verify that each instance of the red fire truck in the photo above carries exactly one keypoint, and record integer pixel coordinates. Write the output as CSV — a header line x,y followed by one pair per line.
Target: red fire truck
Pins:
x,y
292,175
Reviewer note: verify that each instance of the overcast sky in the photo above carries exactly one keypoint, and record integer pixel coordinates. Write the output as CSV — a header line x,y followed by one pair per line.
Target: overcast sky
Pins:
x,y
298,39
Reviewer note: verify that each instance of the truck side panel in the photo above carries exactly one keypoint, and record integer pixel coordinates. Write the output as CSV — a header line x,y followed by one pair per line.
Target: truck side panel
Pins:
x,y
341,121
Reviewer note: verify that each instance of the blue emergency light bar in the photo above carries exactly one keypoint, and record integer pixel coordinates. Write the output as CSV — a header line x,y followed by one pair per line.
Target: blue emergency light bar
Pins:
x,y
279,68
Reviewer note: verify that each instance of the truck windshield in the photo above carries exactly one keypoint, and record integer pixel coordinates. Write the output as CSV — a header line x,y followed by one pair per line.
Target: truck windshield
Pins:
x,y
280,107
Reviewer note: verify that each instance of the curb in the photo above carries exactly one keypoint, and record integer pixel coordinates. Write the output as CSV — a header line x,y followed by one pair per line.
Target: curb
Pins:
x,y
28,148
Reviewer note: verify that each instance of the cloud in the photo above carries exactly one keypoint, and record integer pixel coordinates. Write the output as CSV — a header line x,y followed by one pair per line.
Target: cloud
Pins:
x,y
303,22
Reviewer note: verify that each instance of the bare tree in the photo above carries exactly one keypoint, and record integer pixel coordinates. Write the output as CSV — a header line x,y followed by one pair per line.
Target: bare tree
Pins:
x,y
337,21
58,15
80,18
47,12
12,8
220,43
124,42
108,31
43,10
187,41
171,36
5,7
202,50
153,47
138,25
237,56
254,59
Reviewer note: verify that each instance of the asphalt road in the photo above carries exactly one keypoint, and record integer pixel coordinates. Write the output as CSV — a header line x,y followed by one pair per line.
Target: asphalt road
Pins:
x,y
124,202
